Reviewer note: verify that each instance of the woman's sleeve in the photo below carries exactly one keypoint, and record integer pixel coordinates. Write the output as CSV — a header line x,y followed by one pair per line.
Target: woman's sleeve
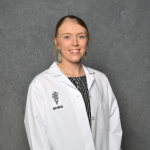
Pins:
x,y
115,129
34,119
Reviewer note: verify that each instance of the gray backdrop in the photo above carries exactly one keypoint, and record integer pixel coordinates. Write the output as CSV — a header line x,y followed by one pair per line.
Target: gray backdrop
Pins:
x,y
120,34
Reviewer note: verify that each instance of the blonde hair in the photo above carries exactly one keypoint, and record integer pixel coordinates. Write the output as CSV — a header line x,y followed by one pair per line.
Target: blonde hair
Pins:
x,y
74,19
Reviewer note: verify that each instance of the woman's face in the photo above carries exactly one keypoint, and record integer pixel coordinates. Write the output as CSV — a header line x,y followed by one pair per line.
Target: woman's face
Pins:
x,y
72,41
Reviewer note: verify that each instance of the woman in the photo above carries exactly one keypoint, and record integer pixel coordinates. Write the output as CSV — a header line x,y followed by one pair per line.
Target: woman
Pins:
x,y
71,106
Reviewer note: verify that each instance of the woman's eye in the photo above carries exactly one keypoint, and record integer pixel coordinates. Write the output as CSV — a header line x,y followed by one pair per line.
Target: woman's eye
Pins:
x,y
81,37
66,37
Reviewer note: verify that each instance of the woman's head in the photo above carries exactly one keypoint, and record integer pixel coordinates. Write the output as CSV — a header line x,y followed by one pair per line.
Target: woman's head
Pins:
x,y
75,19
71,33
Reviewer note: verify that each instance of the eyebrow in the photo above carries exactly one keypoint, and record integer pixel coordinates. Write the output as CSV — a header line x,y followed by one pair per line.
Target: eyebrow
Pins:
x,y
77,34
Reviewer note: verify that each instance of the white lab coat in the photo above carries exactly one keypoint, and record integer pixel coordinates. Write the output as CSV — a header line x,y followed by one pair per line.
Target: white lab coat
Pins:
x,y
56,118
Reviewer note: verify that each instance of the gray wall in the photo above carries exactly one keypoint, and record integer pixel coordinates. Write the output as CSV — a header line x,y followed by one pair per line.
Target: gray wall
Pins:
x,y
120,41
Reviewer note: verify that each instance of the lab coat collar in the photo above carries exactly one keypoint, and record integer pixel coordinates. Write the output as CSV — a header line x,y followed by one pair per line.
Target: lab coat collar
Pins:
x,y
55,72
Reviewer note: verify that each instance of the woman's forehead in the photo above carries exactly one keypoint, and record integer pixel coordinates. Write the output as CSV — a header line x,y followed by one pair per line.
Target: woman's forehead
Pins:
x,y
70,26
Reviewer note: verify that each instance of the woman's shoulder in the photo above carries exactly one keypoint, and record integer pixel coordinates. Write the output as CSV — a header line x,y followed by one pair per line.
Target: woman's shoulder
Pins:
x,y
39,77
48,74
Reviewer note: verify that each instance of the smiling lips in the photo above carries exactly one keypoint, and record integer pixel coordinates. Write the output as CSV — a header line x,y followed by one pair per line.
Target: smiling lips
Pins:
x,y
74,50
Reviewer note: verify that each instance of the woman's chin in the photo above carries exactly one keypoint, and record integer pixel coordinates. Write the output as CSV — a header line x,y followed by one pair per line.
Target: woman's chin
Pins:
x,y
73,60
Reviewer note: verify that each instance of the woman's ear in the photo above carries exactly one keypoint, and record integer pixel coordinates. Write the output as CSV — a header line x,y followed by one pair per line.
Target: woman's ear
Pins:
x,y
56,43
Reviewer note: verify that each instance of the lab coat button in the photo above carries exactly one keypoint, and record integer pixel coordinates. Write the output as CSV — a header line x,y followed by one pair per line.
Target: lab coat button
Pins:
x,y
90,95
93,118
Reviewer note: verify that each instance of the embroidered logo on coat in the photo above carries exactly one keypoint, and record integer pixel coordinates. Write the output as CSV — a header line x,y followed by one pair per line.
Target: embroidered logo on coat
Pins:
x,y
55,97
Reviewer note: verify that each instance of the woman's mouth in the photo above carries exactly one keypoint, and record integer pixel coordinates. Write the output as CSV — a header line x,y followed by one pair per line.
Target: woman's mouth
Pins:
x,y
74,51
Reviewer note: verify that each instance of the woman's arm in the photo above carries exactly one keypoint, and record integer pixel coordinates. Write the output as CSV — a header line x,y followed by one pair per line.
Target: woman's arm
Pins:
x,y
35,119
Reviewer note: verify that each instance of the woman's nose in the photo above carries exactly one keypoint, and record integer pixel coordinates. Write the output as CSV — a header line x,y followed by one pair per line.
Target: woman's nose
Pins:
x,y
74,41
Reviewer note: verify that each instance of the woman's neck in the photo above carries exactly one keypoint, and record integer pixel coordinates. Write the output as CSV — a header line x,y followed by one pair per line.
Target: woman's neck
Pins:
x,y
71,69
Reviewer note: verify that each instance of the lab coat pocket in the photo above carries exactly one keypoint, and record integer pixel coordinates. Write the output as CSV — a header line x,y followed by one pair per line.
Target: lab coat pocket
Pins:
x,y
104,120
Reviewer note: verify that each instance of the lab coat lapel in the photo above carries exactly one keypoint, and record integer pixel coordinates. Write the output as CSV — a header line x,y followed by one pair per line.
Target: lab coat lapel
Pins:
x,y
65,80
89,76
55,71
